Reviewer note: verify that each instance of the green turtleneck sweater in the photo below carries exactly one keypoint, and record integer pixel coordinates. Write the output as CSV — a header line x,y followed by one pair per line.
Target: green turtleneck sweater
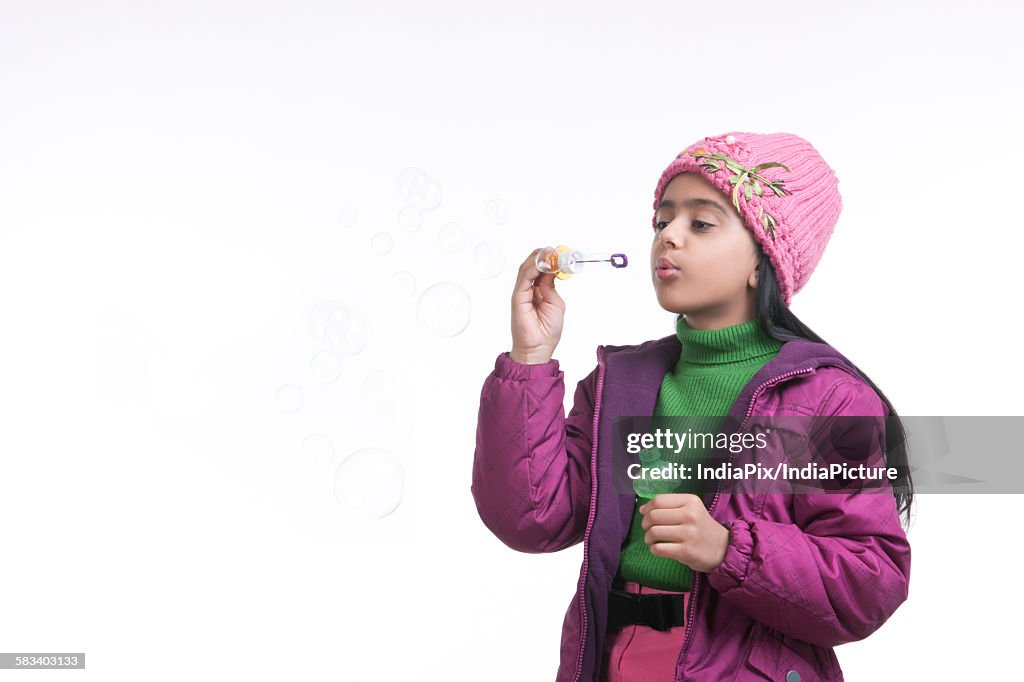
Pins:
x,y
713,367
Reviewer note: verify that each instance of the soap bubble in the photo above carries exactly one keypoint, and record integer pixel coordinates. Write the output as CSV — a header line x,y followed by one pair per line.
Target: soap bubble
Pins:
x,y
426,193
410,219
340,327
318,450
347,218
403,283
404,181
326,366
487,260
345,331
451,238
419,189
289,398
381,243
318,316
369,483
444,309
498,211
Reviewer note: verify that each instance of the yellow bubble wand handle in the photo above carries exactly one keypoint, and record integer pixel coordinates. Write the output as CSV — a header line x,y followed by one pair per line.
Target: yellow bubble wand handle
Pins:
x,y
564,261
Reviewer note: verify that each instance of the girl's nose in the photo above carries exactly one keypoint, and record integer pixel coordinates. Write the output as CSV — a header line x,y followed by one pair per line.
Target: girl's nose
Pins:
x,y
671,236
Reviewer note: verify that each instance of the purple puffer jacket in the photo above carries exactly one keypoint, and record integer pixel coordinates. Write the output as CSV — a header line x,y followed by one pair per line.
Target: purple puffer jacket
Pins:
x,y
803,573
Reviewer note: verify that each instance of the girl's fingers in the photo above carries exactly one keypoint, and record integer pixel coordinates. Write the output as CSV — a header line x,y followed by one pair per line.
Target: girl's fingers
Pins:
x,y
532,285
662,534
662,517
546,285
528,272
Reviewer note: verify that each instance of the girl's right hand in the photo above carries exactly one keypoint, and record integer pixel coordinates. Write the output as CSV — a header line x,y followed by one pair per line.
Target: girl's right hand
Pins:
x,y
537,314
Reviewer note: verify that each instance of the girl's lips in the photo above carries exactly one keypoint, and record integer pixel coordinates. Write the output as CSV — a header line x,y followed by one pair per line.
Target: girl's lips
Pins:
x,y
664,269
665,263
665,273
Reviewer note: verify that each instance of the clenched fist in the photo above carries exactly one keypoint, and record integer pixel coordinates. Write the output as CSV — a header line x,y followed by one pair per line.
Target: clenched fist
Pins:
x,y
679,527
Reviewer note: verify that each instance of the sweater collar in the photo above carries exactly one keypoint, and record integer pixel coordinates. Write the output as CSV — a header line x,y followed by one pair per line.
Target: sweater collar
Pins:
x,y
737,343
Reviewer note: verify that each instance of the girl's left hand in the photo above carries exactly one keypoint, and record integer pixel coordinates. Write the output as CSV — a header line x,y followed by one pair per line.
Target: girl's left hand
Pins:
x,y
679,527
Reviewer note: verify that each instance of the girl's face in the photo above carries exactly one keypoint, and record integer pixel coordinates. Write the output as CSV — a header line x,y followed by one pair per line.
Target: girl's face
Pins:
x,y
703,259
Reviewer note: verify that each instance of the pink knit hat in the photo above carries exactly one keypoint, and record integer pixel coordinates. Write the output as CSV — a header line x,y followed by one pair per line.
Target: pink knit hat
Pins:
x,y
787,194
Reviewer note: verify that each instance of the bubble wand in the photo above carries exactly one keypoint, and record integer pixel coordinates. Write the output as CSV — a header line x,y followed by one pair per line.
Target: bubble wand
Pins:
x,y
564,261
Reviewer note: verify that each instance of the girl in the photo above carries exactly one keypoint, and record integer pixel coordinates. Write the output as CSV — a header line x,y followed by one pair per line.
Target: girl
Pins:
x,y
694,584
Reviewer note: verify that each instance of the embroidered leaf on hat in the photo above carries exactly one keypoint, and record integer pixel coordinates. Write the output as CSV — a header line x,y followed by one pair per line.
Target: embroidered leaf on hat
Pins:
x,y
749,179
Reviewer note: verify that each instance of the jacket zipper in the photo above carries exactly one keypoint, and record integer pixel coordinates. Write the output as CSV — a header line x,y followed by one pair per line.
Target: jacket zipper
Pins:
x,y
694,575
580,589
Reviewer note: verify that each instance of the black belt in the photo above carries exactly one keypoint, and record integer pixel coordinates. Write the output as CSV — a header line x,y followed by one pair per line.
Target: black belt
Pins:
x,y
659,611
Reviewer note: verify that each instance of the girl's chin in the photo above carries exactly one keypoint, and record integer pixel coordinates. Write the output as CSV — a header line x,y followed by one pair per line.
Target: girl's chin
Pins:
x,y
674,304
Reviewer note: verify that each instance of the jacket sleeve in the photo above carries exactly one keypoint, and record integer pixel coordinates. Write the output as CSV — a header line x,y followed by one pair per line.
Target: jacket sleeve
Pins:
x,y
837,573
531,468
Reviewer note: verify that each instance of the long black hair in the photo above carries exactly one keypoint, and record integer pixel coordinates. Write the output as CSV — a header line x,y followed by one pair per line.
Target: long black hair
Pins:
x,y
779,322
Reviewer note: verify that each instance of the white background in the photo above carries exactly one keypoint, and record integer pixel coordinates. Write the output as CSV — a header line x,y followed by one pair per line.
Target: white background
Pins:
x,y
171,180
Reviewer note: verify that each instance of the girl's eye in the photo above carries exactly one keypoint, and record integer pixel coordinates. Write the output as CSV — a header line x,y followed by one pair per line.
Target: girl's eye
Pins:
x,y
700,225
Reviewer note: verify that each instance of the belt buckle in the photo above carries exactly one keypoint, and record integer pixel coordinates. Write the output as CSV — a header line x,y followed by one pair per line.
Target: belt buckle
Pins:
x,y
653,611
657,611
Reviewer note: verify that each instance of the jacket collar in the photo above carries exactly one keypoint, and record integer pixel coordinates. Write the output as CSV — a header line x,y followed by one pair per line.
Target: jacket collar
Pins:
x,y
638,370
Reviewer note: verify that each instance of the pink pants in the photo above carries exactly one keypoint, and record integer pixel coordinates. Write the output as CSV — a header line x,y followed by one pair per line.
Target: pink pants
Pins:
x,y
637,653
